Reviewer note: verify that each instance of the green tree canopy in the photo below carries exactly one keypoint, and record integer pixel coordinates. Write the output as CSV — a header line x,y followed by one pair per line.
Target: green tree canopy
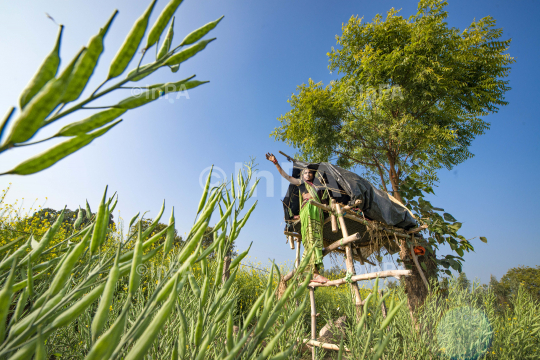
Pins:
x,y
526,276
410,100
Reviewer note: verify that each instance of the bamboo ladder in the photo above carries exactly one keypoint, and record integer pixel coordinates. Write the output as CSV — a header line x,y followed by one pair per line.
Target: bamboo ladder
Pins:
x,y
346,241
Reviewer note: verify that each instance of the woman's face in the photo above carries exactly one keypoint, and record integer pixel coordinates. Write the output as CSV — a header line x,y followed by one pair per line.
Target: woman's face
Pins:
x,y
308,175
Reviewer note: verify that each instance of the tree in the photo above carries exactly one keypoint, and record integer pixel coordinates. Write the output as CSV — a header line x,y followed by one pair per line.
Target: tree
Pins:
x,y
509,284
410,100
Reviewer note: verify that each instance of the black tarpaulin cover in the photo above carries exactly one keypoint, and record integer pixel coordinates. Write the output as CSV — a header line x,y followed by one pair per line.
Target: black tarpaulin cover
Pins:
x,y
347,187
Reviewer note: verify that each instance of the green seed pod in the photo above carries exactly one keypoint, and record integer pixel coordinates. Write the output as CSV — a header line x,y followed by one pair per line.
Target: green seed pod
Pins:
x,y
174,68
41,352
170,236
152,94
166,46
209,249
219,268
205,345
46,72
224,290
182,343
53,155
246,217
240,257
205,290
196,35
253,188
391,315
111,209
188,53
30,279
128,255
79,219
78,308
65,271
32,117
102,312
4,249
174,353
133,220
202,202
46,239
161,22
135,276
131,43
191,244
154,223
151,332
143,70
98,227
106,344
194,286
230,328
233,192
223,311
88,211
126,269
5,299
5,264
197,332
144,98
86,64
22,325
167,288
21,303
91,123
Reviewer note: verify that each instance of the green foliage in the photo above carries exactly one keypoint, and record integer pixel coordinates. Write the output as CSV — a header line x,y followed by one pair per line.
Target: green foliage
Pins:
x,y
442,227
47,96
524,277
411,98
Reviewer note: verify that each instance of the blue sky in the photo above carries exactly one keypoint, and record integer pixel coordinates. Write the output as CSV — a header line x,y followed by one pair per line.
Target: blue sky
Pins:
x,y
263,51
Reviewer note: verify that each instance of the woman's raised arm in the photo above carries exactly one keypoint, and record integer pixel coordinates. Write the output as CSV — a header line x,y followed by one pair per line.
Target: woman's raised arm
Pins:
x,y
290,179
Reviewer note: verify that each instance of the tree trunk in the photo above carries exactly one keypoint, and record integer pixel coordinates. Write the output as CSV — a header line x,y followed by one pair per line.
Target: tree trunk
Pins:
x,y
414,286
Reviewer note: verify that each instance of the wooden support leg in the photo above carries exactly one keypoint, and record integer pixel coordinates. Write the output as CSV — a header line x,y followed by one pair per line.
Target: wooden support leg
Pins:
x,y
291,242
297,260
313,321
349,262
333,217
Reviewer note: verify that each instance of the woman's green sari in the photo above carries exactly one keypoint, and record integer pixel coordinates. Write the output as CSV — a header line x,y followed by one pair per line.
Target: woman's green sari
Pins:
x,y
311,218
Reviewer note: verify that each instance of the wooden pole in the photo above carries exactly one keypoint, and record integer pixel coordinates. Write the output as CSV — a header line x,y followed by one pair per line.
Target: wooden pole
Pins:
x,y
349,261
323,345
291,242
333,217
313,321
381,275
342,242
297,260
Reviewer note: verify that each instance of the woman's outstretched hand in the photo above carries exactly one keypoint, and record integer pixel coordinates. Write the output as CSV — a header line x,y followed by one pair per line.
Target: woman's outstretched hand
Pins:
x,y
271,157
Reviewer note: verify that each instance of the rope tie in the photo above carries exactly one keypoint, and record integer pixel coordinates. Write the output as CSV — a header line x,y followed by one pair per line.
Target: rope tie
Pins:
x,y
348,277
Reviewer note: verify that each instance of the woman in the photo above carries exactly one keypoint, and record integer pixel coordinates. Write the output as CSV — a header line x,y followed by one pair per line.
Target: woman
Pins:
x,y
311,217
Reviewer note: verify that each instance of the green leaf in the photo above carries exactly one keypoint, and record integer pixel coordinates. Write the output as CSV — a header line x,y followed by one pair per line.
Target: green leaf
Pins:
x,y
449,217
455,226
483,238
50,157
